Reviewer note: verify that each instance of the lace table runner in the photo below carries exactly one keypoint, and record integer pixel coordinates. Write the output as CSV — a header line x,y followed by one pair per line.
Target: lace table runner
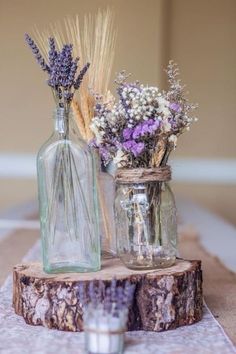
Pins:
x,y
204,337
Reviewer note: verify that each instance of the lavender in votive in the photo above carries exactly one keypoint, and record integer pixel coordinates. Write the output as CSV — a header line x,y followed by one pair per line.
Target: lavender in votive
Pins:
x,y
105,315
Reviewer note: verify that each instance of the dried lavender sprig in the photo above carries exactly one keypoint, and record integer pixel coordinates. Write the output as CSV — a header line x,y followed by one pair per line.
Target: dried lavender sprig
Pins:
x,y
101,291
61,69
112,299
52,54
120,298
128,293
80,77
66,63
92,294
37,53
113,289
107,300
70,79
81,293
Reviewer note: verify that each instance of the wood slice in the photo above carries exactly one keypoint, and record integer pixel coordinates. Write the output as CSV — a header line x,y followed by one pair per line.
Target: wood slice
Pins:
x,y
164,299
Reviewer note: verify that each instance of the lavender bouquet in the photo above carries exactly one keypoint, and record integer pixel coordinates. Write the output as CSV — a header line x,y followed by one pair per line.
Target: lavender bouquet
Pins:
x,y
62,69
105,316
142,128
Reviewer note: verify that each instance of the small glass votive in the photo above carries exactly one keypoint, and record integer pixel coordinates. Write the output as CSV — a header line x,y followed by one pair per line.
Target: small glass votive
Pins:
x,y
104,334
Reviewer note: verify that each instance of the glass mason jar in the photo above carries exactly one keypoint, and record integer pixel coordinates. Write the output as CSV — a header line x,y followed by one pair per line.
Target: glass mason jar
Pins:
x,y
146,224
68,200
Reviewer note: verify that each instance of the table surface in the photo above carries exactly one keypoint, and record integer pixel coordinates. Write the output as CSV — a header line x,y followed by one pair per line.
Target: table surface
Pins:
x,y
205,236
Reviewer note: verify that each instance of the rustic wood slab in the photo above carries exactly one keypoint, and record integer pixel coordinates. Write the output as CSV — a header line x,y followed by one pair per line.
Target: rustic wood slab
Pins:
x,y
164,299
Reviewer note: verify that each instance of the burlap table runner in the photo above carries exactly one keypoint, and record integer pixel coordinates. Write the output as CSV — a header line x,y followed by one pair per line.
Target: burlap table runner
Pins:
x,y
219,284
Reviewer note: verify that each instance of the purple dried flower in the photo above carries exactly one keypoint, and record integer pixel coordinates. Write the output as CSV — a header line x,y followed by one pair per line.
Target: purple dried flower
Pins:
x,y
134,147
156,124
101,291
145,129
137,131
71,76
120,298
113,290
107,300
138,149
81,292
128,293
52,54
66,63
92,293
104,153
128,145
150,126
37,53
127,132
173,123
79,79
125,295
175,107
153,125
55,74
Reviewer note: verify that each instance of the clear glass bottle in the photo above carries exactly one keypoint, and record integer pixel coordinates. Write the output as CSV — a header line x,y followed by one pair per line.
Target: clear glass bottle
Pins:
x,y
68,200
146,225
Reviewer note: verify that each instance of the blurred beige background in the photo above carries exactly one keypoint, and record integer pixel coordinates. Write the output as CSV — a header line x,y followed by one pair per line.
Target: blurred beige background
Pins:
x,y
198,34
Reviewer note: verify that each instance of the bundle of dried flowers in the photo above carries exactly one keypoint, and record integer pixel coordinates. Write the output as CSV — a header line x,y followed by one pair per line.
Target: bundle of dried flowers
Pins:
x,y
142,128
93,41
62,69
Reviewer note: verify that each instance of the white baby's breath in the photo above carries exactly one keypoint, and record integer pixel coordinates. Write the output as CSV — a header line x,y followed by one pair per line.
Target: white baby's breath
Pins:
x,y
173,139
119,158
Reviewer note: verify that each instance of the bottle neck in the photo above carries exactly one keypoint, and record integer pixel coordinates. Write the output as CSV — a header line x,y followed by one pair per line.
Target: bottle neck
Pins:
x,y
62,120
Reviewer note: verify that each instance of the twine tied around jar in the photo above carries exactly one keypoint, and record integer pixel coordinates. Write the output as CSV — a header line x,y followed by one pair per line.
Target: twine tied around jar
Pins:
x,y
142,175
